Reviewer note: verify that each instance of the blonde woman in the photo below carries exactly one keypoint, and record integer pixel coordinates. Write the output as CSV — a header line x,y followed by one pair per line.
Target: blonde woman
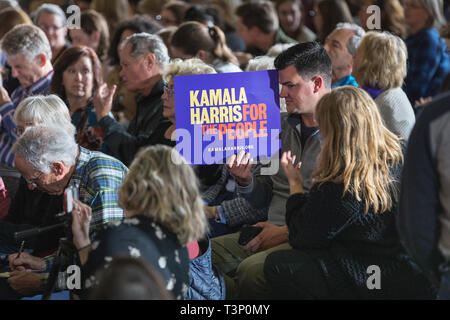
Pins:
x,y
163,211
379,68
346,225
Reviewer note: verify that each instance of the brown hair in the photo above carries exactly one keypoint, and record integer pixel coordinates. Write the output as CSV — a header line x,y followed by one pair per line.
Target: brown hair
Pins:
x,y
91,21
178,8
12,17
260,14
193,36
333,12
114,11
68,58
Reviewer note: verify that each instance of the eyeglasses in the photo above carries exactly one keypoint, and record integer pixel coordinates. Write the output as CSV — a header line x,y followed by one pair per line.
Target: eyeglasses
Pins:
x,y
169,90
49,28
34,181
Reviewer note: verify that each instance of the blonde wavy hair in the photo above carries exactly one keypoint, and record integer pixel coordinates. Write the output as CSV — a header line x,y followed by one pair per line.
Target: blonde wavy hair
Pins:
x,y
162,185
382,60
178,67
357,150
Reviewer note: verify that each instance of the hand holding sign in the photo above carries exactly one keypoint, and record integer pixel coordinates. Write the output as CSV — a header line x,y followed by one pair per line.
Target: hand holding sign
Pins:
x,y
240,166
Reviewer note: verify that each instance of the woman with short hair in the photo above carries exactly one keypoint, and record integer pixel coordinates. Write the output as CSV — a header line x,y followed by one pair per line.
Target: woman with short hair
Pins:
x,y
345,227
380,68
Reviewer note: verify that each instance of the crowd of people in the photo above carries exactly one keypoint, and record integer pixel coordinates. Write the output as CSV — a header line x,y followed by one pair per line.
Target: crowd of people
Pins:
x,y
364,169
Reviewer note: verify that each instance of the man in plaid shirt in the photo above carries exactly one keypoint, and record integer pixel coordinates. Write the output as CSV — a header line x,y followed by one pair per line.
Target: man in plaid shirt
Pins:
x,y
49,159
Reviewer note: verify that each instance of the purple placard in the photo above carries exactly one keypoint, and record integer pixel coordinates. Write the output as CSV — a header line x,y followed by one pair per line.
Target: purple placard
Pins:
x,y
218,115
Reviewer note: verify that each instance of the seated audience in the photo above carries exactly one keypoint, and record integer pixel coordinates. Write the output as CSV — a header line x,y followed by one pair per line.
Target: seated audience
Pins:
x,y
50,160
52,20
78,74
143,58
29,54
257,25
163,211
424,215
341,45
327,14
35,208
305,75
291,15
380,67
93,33
172,13
10,18
346,223
124,103
428,62
193,39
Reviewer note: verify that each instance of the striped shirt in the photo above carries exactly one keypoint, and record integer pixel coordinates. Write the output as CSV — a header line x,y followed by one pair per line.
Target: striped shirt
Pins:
x,y
7,124
98,177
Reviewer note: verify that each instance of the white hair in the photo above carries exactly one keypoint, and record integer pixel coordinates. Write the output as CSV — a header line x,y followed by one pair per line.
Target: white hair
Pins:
x,y
260,63
45,110
278,48
355,40
27,40
265,63
144,43
50,9
9,4
42,146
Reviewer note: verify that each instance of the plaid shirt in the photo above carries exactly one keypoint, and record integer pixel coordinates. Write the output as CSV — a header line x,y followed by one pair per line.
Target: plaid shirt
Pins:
x,y
428,63
99,177
7,124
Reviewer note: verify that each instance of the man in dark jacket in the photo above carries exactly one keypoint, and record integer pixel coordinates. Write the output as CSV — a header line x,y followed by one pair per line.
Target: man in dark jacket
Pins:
x,y
424,219
143,58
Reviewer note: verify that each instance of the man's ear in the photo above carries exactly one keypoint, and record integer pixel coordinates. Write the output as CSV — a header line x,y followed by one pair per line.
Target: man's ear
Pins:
x,y
201,54
149,61
58,168
41,60
318,83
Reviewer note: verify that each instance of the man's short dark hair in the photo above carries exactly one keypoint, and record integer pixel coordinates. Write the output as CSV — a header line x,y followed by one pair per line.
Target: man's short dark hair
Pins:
x,y
260,14
309,58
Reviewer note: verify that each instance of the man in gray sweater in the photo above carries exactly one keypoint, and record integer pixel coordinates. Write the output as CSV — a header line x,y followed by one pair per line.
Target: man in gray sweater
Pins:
x,y
305,76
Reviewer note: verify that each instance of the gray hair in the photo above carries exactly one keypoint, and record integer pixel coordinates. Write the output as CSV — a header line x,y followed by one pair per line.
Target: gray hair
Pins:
x,y
435,8
260,63
45,110
9,4
144,43
278,48
50,9
28,40
355,40
42,146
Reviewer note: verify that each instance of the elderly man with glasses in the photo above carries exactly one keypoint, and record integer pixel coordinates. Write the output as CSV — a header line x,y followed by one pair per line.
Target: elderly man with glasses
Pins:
x,y
49,160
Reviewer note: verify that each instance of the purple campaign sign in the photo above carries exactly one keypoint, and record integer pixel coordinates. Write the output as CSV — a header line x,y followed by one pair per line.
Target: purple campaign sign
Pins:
x,y
218,115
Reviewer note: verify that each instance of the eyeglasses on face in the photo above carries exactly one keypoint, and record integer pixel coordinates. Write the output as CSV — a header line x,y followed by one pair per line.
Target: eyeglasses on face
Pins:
x,y
34,181
169,90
